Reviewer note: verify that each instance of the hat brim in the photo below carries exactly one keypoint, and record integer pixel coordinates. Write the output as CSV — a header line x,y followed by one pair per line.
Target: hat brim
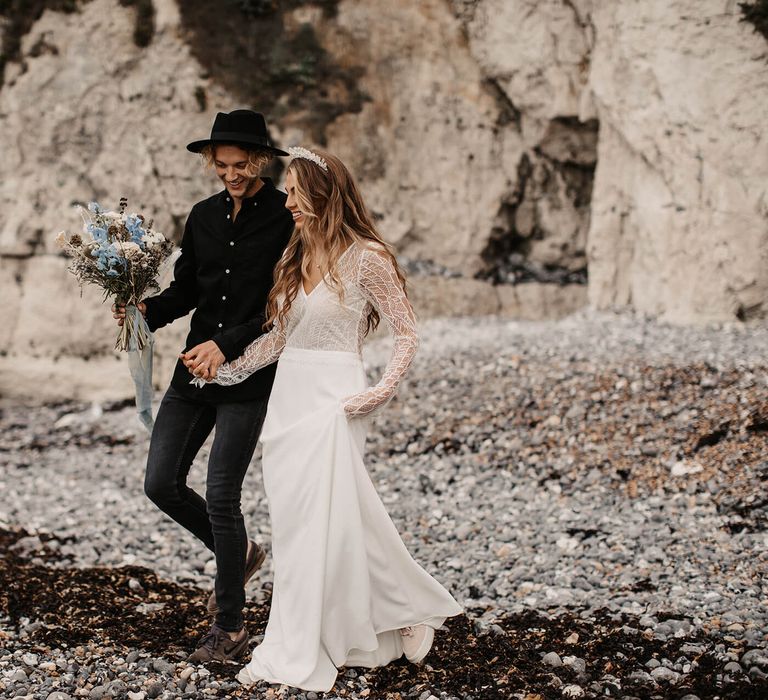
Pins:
x,y
197,146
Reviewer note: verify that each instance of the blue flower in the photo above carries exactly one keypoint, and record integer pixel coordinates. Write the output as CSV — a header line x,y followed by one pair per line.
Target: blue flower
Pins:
x,y
107,257
94,207
112,273
133,224
97,232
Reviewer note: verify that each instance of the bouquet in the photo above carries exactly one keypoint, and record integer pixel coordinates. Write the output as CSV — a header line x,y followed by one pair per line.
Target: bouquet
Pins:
x,y
122,254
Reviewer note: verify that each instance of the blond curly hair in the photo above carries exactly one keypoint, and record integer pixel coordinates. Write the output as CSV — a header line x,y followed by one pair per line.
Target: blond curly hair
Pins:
x,y
257,159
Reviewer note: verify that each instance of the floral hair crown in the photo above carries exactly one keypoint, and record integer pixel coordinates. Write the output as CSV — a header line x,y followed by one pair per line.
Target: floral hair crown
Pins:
x,y
306,154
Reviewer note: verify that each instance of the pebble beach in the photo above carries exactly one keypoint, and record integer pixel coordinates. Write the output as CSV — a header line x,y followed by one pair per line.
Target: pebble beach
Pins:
x,y
591,490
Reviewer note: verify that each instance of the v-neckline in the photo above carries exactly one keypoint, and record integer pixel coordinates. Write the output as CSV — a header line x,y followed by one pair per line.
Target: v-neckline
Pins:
x,y
309,293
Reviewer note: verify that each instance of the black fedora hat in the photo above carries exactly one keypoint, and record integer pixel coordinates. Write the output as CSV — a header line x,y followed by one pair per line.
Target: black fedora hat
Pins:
x,y
242,127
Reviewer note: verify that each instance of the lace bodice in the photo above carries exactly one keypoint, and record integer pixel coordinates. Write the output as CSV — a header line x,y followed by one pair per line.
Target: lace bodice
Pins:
x,y
321,321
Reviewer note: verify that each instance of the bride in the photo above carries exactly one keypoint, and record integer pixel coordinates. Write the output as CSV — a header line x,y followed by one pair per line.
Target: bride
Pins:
x,y
346,590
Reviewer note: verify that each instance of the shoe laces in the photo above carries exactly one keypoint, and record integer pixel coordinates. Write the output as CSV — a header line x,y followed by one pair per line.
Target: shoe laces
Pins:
x,y
211,639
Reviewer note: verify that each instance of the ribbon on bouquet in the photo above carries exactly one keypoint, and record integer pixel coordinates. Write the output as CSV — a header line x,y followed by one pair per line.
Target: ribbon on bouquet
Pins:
x,y
140,350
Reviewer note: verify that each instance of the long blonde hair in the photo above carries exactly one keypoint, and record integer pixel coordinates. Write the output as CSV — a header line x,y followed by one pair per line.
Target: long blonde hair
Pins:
x,y
335,217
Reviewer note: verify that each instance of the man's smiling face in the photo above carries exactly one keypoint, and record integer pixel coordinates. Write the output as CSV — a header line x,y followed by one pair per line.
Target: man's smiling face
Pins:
x,y
231,163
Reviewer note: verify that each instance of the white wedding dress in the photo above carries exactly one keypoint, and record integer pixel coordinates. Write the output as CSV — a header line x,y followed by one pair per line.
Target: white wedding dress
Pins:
x,y
344,581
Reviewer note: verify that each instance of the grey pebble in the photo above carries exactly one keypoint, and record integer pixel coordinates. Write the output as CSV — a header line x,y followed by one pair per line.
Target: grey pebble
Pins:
x,y
552,659
693,649
98,692
641,676
577,664
30,659
662,673
755,657
163,666
153,689
135,585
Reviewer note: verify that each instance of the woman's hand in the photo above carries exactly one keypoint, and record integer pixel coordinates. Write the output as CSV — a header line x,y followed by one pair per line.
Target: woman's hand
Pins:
x,y
203,360
118,311
368,401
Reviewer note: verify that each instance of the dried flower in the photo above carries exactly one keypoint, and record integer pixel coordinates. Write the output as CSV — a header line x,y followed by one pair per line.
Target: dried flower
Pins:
x,y
116,253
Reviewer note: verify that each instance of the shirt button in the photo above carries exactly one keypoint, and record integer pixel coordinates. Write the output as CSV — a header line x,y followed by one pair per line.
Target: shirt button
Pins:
x,y
227,271
231,243
223,298
228,199
220,325
227,215
255,204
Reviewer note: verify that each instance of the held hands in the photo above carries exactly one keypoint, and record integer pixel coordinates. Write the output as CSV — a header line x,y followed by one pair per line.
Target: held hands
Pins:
x,y
204,360
118,312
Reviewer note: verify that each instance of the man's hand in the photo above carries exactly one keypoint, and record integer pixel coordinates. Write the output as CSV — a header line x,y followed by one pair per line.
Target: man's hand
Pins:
x,y
118,312
203,360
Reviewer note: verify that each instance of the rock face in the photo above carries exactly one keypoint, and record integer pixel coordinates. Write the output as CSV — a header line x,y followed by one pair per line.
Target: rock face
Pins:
x,y
87,116
461,172
679,211
514,148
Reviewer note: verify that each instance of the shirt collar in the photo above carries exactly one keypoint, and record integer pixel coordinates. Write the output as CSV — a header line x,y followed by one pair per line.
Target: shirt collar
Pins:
x,y
263,194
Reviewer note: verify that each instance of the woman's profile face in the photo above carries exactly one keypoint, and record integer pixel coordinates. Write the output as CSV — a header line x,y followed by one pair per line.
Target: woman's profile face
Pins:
x,y
292,203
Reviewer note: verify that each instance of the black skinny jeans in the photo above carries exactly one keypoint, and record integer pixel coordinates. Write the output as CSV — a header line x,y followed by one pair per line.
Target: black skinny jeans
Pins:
x,y
181,427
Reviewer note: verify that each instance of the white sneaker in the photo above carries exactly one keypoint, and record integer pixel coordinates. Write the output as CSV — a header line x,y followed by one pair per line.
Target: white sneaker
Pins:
x,y
417,641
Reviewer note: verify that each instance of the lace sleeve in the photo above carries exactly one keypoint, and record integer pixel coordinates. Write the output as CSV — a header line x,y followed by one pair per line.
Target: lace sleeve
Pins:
x,y
261,352
379,284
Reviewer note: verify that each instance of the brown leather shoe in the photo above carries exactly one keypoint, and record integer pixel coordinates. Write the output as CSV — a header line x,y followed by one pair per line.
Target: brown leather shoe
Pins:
x,y
217,645
254,558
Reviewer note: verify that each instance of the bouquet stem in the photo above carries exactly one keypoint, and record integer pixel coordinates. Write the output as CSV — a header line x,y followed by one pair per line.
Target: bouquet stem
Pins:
x,y
136,338
132,335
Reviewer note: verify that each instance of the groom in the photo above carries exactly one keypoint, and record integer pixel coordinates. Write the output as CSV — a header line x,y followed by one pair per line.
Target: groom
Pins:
x,y
230,246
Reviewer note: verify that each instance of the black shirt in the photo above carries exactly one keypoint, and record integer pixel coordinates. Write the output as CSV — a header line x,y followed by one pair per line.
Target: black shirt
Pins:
x,y
225,274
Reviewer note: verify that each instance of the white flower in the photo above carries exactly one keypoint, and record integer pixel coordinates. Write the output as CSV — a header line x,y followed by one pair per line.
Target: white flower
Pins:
x,y
128,248
154,238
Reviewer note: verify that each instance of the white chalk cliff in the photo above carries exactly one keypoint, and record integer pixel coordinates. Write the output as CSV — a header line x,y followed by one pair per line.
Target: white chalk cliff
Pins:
x,y
533,156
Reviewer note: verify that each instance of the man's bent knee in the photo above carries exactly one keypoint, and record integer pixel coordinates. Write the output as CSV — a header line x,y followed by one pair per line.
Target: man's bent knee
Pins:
x,y
161,492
